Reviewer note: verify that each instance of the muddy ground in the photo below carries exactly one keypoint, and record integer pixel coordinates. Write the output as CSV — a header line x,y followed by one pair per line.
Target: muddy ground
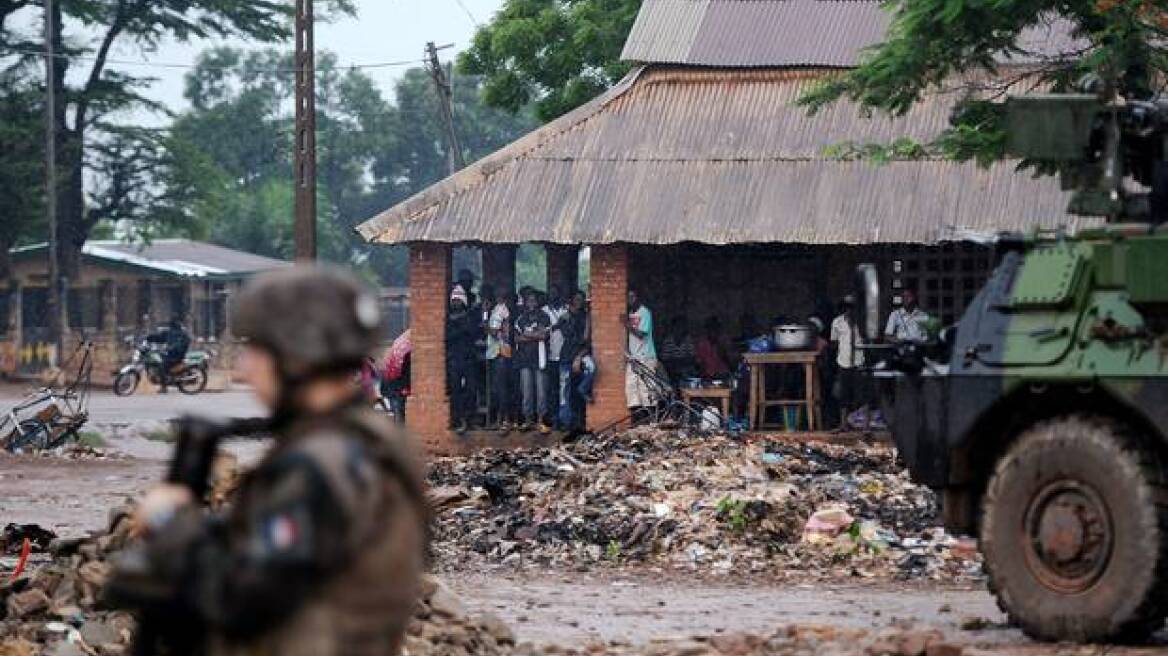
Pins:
x,y
614,603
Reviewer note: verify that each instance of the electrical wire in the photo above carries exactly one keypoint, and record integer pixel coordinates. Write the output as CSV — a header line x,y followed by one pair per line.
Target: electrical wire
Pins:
x,y
8,52
469,15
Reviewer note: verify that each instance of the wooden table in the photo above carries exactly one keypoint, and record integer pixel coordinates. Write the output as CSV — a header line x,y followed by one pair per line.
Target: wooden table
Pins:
x,y
720,395
759,402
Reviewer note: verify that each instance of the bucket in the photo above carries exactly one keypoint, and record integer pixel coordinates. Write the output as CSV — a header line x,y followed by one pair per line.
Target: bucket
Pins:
x,y
793,337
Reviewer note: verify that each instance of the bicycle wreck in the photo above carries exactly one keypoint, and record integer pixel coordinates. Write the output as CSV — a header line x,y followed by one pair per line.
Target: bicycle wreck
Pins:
x,y
48,418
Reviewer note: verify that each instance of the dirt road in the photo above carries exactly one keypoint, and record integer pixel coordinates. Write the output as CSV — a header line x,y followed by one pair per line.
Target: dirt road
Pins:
x,y
562,607
576,608
73,496
107,409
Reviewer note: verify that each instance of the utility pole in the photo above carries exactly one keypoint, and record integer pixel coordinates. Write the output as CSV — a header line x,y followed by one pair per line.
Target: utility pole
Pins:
x,y
55,319
305,162
445,91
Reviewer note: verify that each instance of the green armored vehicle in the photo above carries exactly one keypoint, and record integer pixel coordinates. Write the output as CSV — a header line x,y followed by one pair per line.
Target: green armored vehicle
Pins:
x,y
1042,419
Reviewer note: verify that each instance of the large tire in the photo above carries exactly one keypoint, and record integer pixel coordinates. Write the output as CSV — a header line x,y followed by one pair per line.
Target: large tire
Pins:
x,y
1075,541
192,381
125,383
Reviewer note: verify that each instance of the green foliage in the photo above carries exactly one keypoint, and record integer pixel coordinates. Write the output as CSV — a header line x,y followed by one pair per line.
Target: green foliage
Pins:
x,y
160,435
557,54
613,551
236,152
733,513
932,43
91,440
900,150
531,266
21,161
110,172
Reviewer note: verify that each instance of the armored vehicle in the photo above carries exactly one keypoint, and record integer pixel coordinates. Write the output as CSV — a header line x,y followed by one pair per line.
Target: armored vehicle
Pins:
x,y
1042,417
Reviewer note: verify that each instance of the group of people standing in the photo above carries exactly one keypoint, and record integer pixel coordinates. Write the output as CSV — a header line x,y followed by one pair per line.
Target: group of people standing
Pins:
x,y
528,355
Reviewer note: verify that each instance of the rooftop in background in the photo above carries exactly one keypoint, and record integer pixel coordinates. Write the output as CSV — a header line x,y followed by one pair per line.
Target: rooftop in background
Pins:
x,y
820,33
179,257
720,156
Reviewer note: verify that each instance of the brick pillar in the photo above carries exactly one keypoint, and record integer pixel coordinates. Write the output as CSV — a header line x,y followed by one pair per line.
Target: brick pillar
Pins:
x,y
499,266
428,409
610,285
563,266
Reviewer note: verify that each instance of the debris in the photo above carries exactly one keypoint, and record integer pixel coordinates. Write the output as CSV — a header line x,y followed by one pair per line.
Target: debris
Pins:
x,y
17,647
14,535
718,505
975,624
826,524
28,603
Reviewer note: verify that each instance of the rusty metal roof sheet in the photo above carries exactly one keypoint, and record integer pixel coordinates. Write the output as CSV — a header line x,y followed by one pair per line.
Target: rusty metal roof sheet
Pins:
x,y
827,33
719,156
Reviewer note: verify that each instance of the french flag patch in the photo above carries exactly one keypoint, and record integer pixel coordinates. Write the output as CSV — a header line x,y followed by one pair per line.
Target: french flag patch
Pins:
x,y
283,532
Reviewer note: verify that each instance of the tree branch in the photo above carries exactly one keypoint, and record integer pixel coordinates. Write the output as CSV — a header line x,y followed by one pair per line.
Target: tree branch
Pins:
x,y
95,73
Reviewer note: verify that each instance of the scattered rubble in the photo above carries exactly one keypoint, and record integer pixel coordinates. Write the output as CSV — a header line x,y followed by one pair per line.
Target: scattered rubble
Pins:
x,y
646,498
13,536
712,505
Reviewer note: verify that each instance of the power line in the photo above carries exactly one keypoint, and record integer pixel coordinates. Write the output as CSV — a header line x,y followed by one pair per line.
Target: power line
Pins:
x,y
170,65
468,14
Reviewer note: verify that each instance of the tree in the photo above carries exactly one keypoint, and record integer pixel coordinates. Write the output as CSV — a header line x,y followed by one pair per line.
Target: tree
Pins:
x,y
235,153
91,95
933,43
21,162
555,54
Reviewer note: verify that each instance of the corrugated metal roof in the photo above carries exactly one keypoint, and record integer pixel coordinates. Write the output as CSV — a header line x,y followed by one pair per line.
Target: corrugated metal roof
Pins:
x,y
185,257
719,156
828,33
179,257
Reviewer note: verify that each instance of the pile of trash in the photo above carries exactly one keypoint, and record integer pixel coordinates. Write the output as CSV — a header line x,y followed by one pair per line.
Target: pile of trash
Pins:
x,y
51,606
715,505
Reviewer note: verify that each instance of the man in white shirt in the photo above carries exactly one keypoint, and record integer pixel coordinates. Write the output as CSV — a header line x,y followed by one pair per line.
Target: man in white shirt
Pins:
x,y
557,310
638,391
907,322
845,335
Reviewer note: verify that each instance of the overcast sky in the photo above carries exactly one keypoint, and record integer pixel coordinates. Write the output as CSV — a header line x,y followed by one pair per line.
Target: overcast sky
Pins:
x,y
384,30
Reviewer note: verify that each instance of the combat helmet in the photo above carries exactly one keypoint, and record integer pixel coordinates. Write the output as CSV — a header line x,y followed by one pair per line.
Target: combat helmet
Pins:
x,y
314,320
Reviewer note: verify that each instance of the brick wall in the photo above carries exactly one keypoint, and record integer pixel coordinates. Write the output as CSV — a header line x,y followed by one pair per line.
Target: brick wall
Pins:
x,y
428,411
610,279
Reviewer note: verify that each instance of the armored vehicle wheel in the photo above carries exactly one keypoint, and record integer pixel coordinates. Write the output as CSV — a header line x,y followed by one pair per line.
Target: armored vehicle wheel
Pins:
x,y
1075,544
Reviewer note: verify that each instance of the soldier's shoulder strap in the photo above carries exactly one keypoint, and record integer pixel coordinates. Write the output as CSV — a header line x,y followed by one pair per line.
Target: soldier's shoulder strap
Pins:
x,y
390,447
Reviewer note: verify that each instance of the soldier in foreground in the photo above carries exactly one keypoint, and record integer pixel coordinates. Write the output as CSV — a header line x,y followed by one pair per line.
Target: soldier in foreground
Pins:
x,y
322,550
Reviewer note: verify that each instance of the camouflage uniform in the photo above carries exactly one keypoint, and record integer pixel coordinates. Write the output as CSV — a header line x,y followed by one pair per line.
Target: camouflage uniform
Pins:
x,y
321,552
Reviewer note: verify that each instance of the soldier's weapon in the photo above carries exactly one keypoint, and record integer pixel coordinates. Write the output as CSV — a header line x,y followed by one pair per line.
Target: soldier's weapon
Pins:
x,y
162,626
198,442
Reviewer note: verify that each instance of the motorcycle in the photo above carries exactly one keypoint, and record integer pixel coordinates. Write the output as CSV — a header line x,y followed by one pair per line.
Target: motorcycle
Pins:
x,y
190,377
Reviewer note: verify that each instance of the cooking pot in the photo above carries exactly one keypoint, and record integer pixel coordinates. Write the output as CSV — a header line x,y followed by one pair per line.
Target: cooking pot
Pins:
x,y
793,337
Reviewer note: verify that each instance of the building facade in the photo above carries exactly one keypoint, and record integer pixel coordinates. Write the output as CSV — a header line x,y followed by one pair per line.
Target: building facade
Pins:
x,y
698,180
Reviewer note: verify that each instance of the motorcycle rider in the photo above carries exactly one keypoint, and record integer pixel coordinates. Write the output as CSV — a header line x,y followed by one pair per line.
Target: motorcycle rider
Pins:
x,y
323,547
175,341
